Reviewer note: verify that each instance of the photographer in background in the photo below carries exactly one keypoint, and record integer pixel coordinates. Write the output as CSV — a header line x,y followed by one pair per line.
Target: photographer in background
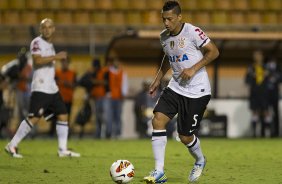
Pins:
x,y
16,76
12,69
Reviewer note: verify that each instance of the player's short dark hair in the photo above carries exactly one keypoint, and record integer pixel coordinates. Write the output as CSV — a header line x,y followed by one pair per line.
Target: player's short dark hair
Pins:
x,y
172,5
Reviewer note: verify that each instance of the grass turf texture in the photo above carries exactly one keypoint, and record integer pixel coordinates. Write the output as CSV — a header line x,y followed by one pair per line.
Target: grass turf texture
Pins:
x,y
229,161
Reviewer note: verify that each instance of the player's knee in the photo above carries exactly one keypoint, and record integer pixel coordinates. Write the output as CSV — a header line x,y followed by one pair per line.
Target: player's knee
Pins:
x,y
159,121
62,117
186,139
156,123
33,120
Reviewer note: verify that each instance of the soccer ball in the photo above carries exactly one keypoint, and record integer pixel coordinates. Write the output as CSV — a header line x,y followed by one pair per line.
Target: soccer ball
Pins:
x,y
122,171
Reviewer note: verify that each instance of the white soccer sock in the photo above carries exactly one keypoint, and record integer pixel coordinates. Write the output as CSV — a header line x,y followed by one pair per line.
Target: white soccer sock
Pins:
x,y
195,150
62,132
159,140
24,128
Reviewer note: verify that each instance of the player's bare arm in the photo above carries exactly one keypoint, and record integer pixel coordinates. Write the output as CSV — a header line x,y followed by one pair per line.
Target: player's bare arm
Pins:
x,y
156,83
210,53
39,60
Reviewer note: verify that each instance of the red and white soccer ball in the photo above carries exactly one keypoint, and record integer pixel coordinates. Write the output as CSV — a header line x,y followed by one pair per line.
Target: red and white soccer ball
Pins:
x,y
122,171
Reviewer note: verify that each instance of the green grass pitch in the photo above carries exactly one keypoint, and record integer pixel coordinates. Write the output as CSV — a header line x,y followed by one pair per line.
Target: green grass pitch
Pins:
x,y
234,161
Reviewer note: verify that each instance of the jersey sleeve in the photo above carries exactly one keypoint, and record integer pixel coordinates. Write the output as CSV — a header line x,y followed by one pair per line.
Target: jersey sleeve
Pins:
x,y
199,37
163,36
35,47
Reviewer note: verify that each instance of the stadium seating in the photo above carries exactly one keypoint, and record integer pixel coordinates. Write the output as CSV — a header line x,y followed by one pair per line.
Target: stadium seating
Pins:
x,y
98,17
46,14
28,18
133,18
63,17
270,18
52,4
151,17
6,36
240,4
257,4
254,18
273,5
103,4
34,5
69,4
86,4
187,16
11,17
137,5
116,18
4,5
156,4
189,5
120,4
223,5
205,4
16,4
237,18
202,17
220,12
219,18
81,18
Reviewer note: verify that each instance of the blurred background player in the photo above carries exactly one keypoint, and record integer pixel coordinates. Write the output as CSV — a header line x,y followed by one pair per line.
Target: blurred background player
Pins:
x,y
3,113
118,88
256,79
94,81
188,91
274,80
98,93
17,74
23,85
45,94
143,108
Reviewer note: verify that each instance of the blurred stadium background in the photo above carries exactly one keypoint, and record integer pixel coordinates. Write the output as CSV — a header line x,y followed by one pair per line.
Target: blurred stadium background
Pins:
x,y
129,29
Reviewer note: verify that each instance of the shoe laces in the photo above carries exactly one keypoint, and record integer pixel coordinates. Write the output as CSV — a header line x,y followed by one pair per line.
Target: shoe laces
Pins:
x,y
197,169
153,173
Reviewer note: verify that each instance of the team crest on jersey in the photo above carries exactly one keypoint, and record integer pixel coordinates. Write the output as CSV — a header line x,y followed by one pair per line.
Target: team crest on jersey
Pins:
x,y
35,47
181,42
171,44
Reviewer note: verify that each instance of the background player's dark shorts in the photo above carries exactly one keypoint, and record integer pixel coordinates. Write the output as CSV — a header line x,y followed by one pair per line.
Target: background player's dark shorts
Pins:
x,y
259,99
46,104
190,110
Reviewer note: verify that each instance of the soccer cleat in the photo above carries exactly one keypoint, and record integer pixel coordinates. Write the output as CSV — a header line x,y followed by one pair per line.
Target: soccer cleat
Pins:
x,y
68,153
13,151
197,171
156,177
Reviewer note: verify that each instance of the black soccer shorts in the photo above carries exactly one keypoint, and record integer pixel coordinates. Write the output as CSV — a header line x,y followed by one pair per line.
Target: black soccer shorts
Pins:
x,y
190,110
43,104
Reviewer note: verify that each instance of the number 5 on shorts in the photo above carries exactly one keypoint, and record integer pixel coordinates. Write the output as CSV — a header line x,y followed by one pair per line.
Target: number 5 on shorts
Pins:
x,y
195,119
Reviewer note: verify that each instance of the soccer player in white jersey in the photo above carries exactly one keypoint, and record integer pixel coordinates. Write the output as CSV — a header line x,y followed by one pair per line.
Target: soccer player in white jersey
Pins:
x,y
188,50
45,96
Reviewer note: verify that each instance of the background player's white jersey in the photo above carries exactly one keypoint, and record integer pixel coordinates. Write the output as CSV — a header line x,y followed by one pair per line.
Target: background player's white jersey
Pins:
x,y
183,51
44,76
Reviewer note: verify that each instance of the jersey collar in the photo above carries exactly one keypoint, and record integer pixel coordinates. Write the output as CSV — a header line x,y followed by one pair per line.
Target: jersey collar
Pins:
x,y
179,31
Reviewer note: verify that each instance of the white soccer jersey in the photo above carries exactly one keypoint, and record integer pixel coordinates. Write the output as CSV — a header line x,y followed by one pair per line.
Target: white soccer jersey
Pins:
x,y
183,51
44,76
